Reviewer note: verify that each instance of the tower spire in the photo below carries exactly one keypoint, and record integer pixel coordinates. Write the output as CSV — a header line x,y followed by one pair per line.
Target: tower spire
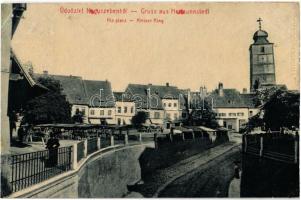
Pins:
x,y
259,23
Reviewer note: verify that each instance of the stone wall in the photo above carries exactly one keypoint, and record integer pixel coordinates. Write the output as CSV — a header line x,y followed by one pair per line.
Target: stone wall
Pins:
x,y
114,172
103,175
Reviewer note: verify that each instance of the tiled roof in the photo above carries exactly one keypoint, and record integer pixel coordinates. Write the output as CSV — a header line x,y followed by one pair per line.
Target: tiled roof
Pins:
x,y
96,90
232,99
138,92
84,92
121,96
72,87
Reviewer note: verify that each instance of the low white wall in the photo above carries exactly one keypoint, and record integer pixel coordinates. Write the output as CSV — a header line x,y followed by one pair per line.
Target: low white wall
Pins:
x,y
102,175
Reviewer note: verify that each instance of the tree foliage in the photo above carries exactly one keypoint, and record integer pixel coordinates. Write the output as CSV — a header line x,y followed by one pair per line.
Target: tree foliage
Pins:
x,y
202,116
139,119
279,108
282,110
51,107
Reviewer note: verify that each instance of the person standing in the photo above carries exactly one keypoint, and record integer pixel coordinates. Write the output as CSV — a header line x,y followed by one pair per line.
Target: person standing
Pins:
x,y
52,146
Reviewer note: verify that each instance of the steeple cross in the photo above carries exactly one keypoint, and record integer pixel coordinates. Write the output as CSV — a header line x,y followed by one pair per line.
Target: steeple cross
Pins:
x,y
259,22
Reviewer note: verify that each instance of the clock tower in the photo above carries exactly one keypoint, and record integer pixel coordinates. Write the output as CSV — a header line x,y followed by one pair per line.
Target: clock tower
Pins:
x,y
262,66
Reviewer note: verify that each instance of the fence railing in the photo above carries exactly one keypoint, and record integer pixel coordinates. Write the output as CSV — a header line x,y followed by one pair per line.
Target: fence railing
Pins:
x,y
80,150
274,145
92,145
31,168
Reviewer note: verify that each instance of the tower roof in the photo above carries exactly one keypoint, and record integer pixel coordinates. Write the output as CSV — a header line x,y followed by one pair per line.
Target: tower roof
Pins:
x,y
260,36
260,33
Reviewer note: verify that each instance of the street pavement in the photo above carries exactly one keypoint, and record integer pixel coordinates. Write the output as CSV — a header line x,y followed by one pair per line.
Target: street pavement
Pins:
x,y
219,160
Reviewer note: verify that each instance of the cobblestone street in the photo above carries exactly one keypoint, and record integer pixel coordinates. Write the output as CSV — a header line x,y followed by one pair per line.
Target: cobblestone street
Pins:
x,y
158,181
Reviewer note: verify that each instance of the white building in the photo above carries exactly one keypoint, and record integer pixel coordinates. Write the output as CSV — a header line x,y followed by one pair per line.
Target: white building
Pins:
x,y
94,99
233,109
125,109
163,103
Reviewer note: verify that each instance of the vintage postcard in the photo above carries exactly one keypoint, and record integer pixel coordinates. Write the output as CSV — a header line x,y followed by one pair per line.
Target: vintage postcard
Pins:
x,y
150,99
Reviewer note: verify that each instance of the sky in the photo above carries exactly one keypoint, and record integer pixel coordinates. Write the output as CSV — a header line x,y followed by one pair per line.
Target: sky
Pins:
x,y
187,51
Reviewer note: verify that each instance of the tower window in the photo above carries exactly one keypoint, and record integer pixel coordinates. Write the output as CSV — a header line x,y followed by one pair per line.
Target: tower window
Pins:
x,y
262,49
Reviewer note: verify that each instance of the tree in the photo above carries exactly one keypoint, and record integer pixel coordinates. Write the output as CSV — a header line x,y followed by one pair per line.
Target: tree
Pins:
x,y
51,107
139,118
278,108
282,110
202,116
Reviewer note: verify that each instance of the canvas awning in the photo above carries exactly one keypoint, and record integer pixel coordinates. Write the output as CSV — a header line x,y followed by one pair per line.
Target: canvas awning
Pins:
x,y
203,128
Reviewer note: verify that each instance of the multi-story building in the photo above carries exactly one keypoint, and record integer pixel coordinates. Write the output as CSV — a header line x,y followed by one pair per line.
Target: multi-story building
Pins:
x,y
232,108
101,102
94,99
164,104
73,88
125,109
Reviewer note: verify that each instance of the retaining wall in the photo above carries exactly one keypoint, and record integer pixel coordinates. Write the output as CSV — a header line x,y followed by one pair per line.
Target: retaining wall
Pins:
x,y
102,175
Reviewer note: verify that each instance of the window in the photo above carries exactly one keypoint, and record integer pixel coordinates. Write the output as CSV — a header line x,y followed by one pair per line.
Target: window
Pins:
x,y
175,116
109,112
175,105
101,112
251,113
183,115
157,115
232,114
167,115
119,110
125,109
92,112
222,114
240,114
118,121
164,104
132,109
83,111
262,49
169,105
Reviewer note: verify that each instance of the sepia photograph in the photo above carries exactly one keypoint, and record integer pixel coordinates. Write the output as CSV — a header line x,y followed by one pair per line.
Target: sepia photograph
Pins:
x,y
150,99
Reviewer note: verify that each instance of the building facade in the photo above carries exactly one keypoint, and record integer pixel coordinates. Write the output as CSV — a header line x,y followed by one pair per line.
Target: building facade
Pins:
x,y
163,103
232,108
125,109
94,99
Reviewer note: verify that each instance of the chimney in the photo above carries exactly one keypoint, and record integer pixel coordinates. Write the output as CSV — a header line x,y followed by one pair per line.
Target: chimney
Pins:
x,y
220,89
167,84
45,72
244,91
203,91
188,98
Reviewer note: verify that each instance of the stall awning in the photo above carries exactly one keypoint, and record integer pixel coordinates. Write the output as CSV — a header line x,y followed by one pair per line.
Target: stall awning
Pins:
x,y
203,128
